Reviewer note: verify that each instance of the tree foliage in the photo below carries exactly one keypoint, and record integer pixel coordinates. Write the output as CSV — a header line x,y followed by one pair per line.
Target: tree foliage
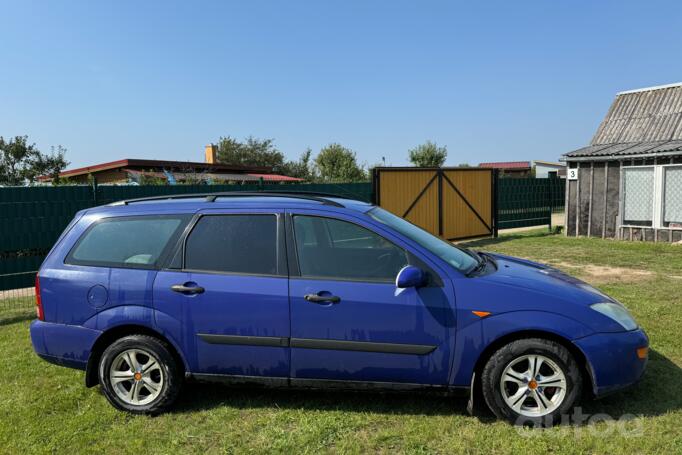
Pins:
x,y
22,163
428,154
336,163
251,152
262,152
301,168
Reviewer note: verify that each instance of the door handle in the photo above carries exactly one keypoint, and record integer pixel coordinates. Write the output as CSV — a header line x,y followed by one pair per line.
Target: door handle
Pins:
x,y
187,290
315,298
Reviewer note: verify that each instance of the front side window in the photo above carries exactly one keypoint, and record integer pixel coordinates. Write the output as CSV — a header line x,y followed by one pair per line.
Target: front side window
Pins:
x,y
245,244
332,248
638,196
133,242
672,203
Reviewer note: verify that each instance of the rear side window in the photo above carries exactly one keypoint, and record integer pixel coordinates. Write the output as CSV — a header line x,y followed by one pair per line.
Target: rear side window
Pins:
x,y
132,242
233,244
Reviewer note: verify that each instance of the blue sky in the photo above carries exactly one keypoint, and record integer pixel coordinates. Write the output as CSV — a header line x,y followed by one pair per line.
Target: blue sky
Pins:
x,y
508,80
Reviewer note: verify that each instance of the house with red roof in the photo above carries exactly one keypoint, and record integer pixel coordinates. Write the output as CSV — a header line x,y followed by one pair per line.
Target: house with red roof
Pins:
x,y
131,171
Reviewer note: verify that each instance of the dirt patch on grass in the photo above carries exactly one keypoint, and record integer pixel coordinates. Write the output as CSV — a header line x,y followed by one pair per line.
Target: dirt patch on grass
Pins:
x,y
604,274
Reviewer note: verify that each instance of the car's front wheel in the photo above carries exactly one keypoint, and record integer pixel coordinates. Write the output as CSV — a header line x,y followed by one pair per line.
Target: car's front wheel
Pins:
x,y
138,374
531,381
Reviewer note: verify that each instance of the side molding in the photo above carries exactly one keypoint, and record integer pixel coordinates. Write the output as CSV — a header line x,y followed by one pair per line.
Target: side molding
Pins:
x,y
311,343
363,346
244,340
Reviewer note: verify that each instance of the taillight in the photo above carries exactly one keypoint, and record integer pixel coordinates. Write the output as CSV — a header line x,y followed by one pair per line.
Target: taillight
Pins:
x,y
40,314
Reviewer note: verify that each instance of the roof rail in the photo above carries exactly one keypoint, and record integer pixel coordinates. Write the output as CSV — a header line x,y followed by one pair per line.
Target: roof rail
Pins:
x,y
211,197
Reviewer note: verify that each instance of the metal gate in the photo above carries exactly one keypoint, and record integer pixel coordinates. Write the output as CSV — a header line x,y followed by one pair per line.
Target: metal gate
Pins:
x,y
452,203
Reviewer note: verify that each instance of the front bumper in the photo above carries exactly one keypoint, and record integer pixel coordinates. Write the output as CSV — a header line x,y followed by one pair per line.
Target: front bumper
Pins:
x,y
613,360
62,344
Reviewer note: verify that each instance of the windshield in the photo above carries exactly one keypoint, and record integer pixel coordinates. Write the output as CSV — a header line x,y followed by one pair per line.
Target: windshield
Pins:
x,y
459,258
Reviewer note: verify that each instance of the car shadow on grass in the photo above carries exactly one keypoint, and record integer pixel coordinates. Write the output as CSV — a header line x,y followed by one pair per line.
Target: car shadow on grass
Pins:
x,y
205,396
13,319
659,392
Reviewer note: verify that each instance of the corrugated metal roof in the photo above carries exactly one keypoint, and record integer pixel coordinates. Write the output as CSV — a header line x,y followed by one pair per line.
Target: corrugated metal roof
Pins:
x,y
642,122
627,149
643,116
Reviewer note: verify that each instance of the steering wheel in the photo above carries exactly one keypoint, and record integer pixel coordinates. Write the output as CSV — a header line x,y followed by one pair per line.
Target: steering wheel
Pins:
x,y
383,261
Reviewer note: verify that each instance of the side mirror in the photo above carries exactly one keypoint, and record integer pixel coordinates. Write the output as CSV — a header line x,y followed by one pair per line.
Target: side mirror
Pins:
x,y
410,277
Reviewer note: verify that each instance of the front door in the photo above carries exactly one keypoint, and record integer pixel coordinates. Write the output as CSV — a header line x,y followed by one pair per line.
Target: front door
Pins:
x,y
227,300
349,322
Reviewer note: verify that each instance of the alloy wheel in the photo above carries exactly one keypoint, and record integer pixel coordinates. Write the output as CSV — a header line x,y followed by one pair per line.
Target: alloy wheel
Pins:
x,y
533,385
136,377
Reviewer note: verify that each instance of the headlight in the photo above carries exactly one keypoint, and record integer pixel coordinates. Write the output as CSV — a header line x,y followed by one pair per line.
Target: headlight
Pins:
x,y
616,312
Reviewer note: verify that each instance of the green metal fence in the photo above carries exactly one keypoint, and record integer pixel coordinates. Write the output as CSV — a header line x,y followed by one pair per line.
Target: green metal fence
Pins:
x,y
528,201
31,218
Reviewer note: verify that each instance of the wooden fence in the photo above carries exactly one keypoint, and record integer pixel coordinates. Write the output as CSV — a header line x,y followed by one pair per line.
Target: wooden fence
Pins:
x,y
453,203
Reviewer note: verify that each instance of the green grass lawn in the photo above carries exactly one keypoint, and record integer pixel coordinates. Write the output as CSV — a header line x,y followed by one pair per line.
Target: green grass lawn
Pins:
x,y
45,408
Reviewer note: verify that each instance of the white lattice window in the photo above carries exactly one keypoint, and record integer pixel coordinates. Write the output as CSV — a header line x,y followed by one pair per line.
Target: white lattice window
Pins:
x,y
672,199
638,192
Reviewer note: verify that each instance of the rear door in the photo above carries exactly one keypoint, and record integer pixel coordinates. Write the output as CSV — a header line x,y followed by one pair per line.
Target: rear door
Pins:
x,y
349,322
226,296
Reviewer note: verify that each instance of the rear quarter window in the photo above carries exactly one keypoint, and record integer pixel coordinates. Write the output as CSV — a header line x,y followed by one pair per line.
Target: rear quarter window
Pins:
x,y
132,242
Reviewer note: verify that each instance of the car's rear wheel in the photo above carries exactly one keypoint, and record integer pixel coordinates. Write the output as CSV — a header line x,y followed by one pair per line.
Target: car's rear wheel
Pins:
x,y
139,374
531,382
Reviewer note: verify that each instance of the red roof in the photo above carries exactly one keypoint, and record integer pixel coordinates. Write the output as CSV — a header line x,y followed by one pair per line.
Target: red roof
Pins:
x,y
160,164
128,163
276,178
507,165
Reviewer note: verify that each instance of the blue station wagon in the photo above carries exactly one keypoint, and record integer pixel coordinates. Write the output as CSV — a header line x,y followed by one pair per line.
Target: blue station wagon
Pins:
x,y
303,290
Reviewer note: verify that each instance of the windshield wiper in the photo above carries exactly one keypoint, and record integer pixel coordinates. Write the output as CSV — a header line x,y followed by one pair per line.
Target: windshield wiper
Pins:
x,y
480,263
489,257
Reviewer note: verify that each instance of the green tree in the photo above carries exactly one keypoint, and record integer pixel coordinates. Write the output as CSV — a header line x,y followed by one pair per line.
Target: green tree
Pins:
x,y
251,152
22,163
51,165
428,154
336,163
300,168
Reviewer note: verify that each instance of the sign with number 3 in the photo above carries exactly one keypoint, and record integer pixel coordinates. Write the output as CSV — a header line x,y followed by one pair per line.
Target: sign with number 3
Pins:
x,y
573,174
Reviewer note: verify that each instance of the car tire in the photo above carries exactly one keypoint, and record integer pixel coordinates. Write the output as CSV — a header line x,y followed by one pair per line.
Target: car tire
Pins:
x,y
531,382
139,375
